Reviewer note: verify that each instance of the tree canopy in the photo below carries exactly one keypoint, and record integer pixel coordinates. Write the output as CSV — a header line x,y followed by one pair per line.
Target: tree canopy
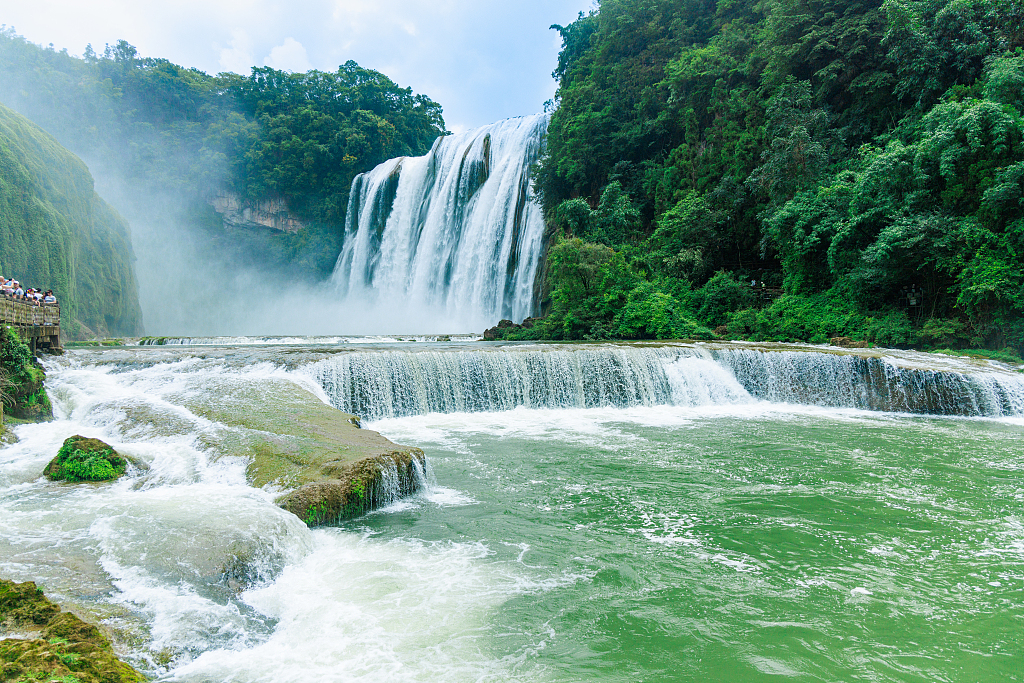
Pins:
x,y
184,136
859,160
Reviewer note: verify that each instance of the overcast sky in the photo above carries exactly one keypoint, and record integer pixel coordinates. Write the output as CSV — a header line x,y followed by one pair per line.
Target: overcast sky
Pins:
x,y
482,60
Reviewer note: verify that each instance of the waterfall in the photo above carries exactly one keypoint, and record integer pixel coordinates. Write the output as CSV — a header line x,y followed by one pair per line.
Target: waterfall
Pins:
x,y
455,233
381,384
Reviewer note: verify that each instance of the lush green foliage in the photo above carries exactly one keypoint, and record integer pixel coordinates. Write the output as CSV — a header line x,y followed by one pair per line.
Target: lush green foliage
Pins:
x,y
82,459
56,233
183,136
23,391
867,157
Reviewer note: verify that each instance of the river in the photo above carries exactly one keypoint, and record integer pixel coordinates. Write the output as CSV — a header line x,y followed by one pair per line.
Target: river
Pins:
x,y
593,513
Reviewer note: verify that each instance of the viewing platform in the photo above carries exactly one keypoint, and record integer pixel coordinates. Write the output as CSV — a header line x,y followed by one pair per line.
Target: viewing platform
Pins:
x,y
38,326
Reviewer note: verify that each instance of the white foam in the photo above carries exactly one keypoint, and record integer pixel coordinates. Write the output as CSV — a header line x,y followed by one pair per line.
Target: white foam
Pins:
x,y
362,609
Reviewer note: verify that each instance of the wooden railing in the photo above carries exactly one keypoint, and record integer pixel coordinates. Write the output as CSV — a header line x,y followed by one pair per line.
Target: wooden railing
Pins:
x,y
23,314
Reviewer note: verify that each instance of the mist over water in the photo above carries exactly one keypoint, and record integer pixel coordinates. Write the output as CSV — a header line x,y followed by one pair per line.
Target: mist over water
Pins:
x,y
455,235
445,243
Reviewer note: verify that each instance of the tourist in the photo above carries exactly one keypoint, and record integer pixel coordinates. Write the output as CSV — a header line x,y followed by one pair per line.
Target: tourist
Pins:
x,y
19,293
49,298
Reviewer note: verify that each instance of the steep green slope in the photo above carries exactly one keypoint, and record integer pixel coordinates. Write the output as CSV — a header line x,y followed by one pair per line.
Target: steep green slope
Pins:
x,y
861,160
180,138
56,233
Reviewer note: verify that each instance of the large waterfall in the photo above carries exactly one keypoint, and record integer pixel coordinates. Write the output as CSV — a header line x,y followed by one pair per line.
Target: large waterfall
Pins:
x,y
454,235
379,384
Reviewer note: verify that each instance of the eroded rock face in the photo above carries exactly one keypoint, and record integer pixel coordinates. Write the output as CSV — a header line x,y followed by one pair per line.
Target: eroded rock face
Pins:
x,y
61,645
82,459
269,214
350,489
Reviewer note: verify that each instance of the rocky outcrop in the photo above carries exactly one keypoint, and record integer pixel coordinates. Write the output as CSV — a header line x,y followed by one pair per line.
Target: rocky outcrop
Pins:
x,y
506,327
352,489
847,343
52,645
82,459
268,214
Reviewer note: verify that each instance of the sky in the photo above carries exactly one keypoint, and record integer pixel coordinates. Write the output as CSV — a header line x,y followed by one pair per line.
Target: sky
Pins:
x,y
482,60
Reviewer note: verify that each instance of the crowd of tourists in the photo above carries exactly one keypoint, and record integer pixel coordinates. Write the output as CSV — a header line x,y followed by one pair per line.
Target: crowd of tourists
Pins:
x,y
12,289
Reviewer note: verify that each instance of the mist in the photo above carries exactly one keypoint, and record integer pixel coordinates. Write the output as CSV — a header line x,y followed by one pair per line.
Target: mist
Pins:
x,y
162,141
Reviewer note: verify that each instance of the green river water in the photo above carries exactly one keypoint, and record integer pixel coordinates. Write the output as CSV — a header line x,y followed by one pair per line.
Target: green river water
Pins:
x,y
720,539
810,545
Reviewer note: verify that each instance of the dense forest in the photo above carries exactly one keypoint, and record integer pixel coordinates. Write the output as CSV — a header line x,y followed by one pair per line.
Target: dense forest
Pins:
x,y
861,162
178,137
57,233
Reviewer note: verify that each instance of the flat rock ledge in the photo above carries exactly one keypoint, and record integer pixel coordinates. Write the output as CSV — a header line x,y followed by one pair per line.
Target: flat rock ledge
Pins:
x,y
349,490
329,468
42,643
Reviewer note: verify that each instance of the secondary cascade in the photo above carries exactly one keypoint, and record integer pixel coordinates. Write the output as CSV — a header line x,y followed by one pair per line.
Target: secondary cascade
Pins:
x,y
456,232
382,384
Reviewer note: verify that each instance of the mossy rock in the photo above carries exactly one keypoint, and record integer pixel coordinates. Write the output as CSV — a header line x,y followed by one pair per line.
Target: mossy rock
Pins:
x,y
23,605
65,648
82,459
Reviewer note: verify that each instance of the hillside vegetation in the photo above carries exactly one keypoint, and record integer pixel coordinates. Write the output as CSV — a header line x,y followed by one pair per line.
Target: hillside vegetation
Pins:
x,y
56,233
864,157
177,137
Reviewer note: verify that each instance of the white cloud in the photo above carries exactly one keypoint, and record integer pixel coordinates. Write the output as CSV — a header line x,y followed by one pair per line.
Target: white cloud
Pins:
x,y
289,56
237,57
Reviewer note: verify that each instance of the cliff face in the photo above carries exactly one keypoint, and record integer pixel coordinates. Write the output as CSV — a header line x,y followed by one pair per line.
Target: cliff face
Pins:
x,y
57,233
267,214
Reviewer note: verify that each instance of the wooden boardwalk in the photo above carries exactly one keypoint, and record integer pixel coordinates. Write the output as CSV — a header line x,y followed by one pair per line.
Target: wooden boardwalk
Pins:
x,y
39,326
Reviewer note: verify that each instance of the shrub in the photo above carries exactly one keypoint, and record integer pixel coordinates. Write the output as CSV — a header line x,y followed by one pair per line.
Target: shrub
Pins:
x,y
720,295
653,314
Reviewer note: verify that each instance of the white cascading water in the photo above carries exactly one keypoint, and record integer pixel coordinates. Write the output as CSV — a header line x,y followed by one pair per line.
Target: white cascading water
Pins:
x,y
384,384
455,234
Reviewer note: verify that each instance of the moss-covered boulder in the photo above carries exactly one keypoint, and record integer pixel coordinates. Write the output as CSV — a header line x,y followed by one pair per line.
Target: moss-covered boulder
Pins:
x,y
82,459
59,646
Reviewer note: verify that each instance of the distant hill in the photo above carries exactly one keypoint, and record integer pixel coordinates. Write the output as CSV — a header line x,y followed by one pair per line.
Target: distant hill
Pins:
x,y
57,233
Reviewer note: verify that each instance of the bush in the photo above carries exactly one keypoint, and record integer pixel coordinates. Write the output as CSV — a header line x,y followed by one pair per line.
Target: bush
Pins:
x,y
893,330
653,314
720,295
944,333
742,322
25,393
816,319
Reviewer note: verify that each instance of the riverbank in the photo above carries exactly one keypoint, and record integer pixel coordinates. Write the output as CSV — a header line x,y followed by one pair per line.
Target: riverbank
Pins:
x,y
39,642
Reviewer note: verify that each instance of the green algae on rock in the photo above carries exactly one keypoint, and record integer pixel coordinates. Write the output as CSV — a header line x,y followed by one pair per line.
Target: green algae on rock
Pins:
x,y
83,459
350,489
51,644
293,440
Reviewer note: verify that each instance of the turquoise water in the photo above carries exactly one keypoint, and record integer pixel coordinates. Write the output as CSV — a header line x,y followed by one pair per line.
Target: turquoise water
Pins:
x,y
811,545
738,542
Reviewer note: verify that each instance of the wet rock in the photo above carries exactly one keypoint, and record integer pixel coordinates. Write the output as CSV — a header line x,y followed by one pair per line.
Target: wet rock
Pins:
x,y
352,489
83,459
847,343
63,647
